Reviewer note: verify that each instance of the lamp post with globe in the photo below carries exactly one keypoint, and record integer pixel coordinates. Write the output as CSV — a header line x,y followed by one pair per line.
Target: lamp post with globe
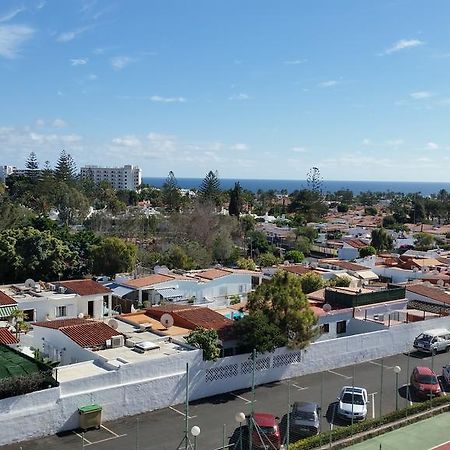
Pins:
x,y
397,370
195,431
240,419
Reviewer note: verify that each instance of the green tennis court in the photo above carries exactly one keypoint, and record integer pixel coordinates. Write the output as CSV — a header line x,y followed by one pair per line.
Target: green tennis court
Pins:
x,y
433,433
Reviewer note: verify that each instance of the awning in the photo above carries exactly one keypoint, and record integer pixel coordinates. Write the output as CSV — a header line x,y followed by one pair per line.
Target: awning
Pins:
x,y
170,293
7,311
367,275
119,291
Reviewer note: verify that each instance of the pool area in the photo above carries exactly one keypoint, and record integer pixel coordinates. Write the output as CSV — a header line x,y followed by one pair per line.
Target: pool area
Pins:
x,y
235,315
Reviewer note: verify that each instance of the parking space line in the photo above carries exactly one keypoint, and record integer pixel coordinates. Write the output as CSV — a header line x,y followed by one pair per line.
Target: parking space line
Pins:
x,y
299,388
106,439
82,437
182,413
340,374
378,364
241,398
107,429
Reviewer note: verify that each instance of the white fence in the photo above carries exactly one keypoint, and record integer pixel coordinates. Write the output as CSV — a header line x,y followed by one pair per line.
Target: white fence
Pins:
x,y
158,383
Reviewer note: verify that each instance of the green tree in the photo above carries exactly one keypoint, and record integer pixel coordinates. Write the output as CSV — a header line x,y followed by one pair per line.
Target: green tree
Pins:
x,y
381,240
246,263
72,205
295,256
32,162
309,232
65,169
424,241
210,188
171,194
207,340
311,282
342,208
314,180
284,304
256,332
268,260
176,258
367,251
112,256
235,205
259,243
370,211
342,281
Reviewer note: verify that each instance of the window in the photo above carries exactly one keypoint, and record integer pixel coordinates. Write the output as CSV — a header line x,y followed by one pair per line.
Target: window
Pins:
x,y
241,288
325,328
341,327
61,311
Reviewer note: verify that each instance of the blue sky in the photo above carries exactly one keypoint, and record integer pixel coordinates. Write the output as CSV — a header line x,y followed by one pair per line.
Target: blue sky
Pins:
x,y
253,89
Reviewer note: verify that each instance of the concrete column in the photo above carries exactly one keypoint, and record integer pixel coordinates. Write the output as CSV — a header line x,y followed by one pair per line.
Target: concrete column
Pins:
x,y
109,305
140,298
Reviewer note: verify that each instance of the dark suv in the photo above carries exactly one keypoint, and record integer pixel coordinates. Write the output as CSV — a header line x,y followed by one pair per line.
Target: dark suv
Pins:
x,y
305,418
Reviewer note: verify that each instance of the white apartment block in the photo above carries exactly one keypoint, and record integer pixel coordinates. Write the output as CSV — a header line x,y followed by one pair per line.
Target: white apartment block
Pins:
x,y
126,177
5,171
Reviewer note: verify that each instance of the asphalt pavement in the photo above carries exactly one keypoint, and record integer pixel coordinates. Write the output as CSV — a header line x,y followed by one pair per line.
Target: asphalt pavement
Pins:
x,y
164,429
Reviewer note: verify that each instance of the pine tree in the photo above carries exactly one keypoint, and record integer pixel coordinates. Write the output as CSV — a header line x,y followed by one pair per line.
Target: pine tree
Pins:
x,y
210,188
171,193
235,206
65,167
32,162
314,180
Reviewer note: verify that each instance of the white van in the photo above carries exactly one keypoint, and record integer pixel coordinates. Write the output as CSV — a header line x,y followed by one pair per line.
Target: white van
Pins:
x,y
433,341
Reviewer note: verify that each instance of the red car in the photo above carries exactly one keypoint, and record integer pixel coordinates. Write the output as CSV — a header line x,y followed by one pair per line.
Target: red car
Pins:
x,y
425,382
265,431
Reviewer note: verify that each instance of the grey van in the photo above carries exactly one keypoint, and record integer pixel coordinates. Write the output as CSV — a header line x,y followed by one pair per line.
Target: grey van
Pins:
x,y
433,341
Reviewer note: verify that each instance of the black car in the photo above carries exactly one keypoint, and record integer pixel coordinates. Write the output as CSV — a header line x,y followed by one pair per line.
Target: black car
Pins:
x,y
305,419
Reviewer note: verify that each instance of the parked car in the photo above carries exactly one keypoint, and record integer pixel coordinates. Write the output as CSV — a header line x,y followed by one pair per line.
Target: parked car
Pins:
x,y
265,431
352,403
305,419
446,374
425,382
433,341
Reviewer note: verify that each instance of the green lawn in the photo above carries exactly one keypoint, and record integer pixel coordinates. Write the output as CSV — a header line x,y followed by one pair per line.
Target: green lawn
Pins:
x,y
417,436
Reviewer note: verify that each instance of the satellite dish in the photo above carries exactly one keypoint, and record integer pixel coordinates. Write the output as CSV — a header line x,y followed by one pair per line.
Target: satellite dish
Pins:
x,y
326,307
166,320
81,316
113,323
30,283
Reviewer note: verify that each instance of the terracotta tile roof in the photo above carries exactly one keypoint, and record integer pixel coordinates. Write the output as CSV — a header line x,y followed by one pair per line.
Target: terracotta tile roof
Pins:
x,y
191,317
343,264
150,280
60,323
90,334
212,274
6,337
84,287
296,269
430,292
6,299
355,243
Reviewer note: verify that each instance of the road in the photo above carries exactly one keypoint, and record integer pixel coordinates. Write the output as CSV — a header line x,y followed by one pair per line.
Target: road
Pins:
x,y
163,429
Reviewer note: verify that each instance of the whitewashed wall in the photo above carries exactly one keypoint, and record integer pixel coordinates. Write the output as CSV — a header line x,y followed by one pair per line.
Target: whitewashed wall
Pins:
x,y
158,383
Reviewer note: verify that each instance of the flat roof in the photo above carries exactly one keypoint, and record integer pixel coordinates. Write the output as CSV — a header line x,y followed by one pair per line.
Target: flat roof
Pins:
x,y
78,370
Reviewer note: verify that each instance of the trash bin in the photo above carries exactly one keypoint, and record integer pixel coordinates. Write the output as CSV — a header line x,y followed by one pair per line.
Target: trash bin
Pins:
x,y
90,416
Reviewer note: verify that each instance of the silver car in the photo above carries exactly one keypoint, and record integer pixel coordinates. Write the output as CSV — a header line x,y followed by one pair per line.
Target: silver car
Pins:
x,y
305,418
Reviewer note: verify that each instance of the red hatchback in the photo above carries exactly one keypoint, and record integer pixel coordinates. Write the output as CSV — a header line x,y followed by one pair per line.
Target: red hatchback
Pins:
x,y
425,382
265,431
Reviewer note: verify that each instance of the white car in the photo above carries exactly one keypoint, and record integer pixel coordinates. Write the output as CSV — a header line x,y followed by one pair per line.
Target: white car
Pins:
x,y
446,374
352,403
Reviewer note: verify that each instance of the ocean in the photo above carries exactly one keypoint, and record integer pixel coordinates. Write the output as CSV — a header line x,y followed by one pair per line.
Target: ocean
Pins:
x,y
425,188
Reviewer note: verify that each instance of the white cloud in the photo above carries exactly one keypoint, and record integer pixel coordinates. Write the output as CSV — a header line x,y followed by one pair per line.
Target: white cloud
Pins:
x,y
159,99
11,39
40,123
59,123
421,95
403,44
239,146
394,142
120,62
329,83
299,149
162,142
92,77
78,61
366,141
127,141
68,36
294,62
11,14
60,93
240,96
432,146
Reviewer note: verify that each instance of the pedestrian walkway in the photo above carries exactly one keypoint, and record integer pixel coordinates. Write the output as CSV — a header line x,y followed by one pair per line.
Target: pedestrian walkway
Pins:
x,y
432,433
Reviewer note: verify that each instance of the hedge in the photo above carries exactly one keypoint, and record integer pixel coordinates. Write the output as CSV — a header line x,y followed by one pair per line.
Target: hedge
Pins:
x,y
314,442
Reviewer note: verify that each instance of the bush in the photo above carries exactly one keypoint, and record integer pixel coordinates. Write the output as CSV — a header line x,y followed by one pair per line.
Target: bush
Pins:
x,y
367,251
342,208
370,424
370,211
295,256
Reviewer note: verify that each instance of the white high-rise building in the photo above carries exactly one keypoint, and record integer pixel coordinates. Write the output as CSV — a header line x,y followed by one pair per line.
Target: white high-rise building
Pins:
x,y
126,177
5,171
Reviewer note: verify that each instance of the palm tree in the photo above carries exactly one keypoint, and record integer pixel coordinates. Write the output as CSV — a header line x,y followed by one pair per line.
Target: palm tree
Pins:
x,y
18,321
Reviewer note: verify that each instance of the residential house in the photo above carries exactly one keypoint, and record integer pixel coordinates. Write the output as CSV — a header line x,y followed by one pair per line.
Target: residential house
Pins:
x,y
350,248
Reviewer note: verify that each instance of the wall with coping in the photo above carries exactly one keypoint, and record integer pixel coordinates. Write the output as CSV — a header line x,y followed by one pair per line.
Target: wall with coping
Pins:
x,y
158,383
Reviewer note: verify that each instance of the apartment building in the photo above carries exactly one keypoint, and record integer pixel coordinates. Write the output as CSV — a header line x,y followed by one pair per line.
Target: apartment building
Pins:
x,y
126,177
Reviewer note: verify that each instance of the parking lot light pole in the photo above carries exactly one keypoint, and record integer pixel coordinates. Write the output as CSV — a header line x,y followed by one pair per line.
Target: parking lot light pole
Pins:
x,y
397,370
240,418
195,431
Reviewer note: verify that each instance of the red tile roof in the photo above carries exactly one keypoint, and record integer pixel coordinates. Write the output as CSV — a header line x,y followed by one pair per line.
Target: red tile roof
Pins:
x,y
212,274
150,280
344,264
355,243
6,337
84,287
297,269
6,299
430,292
86,333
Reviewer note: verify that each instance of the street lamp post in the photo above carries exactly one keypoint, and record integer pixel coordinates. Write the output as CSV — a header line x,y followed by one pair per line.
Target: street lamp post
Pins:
x,y
397,370
240,418
195,431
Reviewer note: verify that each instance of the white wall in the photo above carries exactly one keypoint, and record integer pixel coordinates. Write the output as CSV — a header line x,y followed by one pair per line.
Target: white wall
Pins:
x,y
158,383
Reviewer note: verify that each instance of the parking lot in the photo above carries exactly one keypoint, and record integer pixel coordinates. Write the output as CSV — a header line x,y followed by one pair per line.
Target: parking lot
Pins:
x,y
164,429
